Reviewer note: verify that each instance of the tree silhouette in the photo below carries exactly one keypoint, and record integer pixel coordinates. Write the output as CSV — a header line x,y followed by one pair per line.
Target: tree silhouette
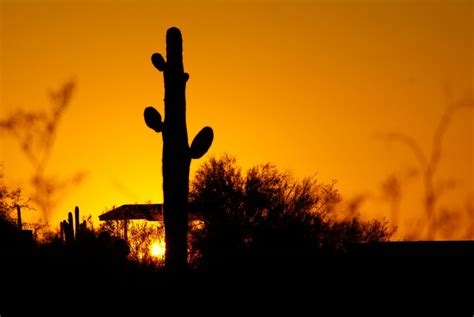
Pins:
x,y
266,209
177,153
10,200
36,132
429,163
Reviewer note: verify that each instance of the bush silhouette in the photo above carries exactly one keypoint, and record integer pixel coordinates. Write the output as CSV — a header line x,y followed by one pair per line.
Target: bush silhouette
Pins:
x,y
267,211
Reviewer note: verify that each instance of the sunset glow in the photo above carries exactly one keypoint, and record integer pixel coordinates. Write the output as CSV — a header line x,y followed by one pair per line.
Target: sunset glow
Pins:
x,y
157,249
311,86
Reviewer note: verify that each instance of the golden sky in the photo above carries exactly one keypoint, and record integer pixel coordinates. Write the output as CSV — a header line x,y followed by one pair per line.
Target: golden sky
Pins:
x,y
307,85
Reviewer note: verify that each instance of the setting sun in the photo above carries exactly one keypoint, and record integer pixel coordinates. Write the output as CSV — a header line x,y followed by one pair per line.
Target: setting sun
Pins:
x,y
157,249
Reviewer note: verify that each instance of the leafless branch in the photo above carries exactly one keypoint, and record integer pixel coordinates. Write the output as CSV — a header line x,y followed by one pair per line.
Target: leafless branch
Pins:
x,y
36,131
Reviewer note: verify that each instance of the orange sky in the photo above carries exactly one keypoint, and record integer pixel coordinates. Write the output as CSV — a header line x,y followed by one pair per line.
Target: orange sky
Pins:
x,y
306,85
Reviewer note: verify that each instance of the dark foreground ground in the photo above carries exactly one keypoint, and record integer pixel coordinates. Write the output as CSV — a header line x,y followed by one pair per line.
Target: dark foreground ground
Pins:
x,y
387,277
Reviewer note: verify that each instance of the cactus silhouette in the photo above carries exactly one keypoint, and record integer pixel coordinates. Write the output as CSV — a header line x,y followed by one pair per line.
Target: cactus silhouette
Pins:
x,y
67,228
177,153
76,224
71,231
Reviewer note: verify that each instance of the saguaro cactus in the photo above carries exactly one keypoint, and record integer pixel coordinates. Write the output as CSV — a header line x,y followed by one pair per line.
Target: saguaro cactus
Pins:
x,y
177,153
70,230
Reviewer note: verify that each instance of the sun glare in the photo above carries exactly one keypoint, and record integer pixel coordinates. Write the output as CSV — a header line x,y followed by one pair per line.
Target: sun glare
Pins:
x,y
157,249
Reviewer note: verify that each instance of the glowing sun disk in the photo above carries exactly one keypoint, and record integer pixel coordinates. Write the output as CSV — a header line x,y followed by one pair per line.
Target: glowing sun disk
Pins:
x,y
157,249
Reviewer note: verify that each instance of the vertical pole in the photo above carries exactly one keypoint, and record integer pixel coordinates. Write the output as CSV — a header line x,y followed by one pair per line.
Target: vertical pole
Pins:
x,y
20,225
125,230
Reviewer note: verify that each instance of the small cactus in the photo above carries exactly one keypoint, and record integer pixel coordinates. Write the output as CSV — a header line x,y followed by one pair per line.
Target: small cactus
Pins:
x,y
72,230
177,153
68,229
76,215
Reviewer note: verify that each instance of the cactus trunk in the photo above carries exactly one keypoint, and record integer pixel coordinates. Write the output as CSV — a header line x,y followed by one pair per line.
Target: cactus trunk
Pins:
x,y
176,158
176,151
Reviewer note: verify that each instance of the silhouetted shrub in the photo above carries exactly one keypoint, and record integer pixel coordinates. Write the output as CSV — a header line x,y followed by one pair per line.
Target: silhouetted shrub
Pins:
x,y
266,209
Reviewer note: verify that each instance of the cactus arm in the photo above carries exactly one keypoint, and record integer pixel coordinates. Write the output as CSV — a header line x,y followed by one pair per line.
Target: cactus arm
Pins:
x,y
153,119
201,143
158,61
